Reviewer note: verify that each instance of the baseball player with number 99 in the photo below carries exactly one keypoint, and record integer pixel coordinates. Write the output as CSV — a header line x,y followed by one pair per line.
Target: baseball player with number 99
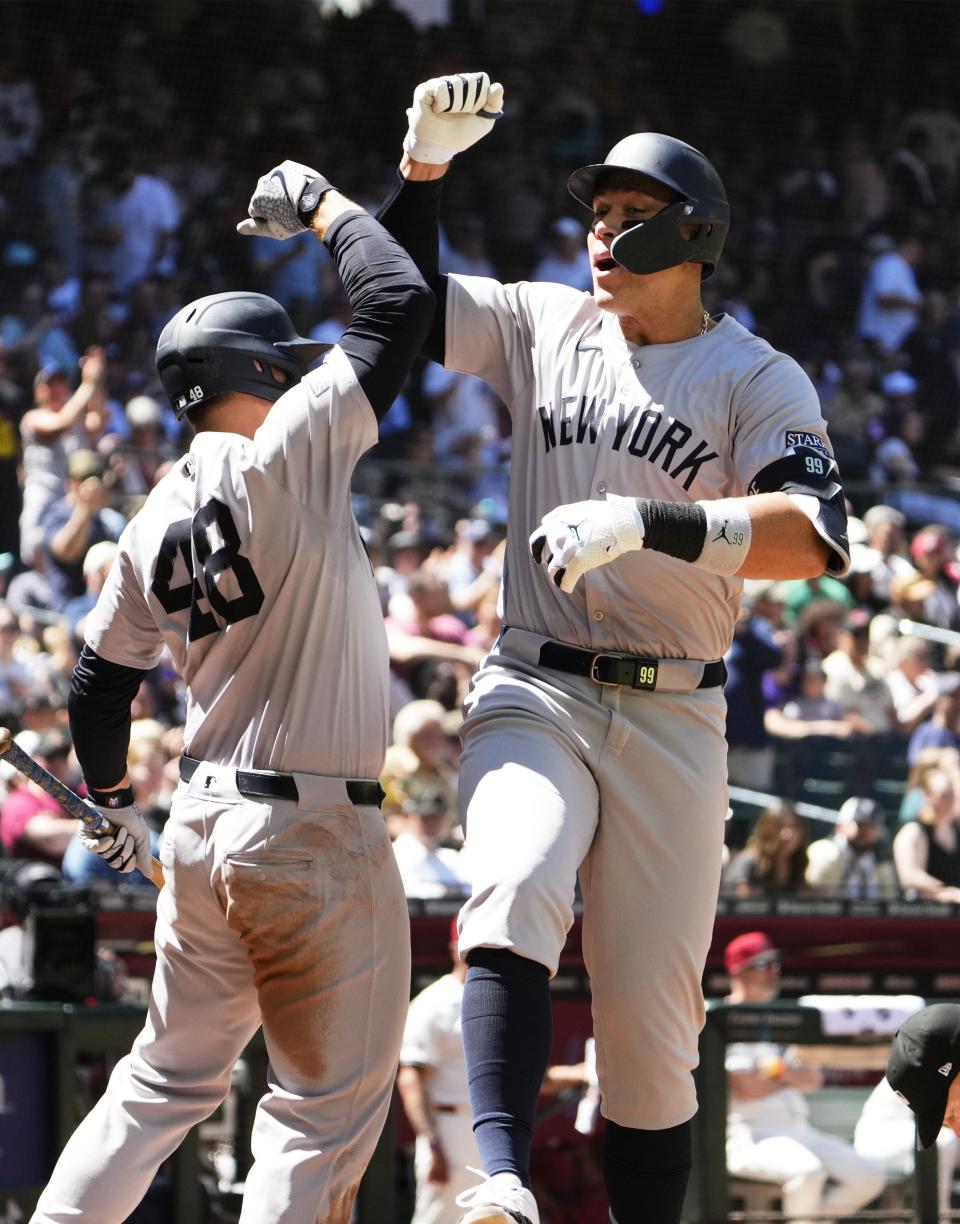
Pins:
x,y
659,457
283,905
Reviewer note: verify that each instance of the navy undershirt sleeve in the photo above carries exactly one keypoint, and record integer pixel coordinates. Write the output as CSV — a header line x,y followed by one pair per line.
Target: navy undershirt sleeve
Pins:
x,y
411,212
392,306
101,694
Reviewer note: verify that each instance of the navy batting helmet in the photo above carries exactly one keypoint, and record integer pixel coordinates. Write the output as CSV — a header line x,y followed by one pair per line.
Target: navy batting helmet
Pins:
x,y
216,344
658,243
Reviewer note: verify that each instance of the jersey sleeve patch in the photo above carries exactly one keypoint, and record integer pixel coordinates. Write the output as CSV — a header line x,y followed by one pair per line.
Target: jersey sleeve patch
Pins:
x,y
799,437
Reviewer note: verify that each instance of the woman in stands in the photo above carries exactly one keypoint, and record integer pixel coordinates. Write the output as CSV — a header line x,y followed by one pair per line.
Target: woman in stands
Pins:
x,y
926,851
775,857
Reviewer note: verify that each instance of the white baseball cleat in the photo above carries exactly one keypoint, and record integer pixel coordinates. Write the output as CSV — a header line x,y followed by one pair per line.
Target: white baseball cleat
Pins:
x,y
499,1199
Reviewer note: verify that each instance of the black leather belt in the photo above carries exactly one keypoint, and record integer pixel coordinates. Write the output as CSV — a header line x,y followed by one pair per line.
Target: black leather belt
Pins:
x,y
284,786
631,671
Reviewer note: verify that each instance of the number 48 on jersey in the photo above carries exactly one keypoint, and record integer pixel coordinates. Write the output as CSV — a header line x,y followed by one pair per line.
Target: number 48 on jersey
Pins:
x,y
213,562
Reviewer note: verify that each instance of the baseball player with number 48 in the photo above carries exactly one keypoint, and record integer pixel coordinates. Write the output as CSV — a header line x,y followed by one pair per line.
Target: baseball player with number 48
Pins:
x,y
660,456
283,906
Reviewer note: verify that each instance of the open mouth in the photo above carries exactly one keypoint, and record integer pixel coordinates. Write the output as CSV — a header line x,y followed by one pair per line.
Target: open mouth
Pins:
x,y
605,263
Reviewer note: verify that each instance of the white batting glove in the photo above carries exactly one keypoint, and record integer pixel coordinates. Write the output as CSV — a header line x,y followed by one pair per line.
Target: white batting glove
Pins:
x,y
283,202
449,114
576,538
127,845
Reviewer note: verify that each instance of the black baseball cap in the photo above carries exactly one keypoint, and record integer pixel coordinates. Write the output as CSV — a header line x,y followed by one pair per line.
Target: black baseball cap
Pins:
x,y
924,1061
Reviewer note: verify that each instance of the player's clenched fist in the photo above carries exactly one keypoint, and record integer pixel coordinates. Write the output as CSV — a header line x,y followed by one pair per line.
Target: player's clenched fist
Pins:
x,y
449,114
283,202
578,537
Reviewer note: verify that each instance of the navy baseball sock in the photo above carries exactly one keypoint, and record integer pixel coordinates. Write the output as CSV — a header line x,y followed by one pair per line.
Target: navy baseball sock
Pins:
x,y
646,1172
506,1035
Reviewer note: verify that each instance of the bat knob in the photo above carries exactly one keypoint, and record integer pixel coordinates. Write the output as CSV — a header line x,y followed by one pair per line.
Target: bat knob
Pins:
x,y
6,740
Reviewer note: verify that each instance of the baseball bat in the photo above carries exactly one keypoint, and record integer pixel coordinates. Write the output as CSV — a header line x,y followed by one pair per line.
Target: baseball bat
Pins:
x,y
96,824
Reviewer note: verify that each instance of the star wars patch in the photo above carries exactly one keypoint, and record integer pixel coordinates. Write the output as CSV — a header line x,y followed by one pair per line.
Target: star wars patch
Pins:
x,y
797,437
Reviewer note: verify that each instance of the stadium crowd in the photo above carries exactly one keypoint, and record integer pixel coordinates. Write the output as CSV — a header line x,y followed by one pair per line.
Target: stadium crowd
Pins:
x,y
123,171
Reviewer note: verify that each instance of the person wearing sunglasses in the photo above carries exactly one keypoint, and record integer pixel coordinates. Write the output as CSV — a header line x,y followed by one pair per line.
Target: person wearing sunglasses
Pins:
x,y
769,1136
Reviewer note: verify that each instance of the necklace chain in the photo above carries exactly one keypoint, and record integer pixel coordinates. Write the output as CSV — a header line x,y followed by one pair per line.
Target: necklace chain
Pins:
x,y
705,324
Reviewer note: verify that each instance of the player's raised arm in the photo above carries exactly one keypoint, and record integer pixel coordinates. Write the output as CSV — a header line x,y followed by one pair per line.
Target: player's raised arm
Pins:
x,y
447,116
392,305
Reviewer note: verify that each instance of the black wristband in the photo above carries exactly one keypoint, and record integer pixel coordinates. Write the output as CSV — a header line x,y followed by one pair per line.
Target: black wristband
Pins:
x,y
112,799
678,529
311,196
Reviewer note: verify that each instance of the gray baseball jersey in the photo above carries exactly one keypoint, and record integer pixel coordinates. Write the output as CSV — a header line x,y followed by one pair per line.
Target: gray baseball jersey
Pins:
x,y
563,776
593,414
215,565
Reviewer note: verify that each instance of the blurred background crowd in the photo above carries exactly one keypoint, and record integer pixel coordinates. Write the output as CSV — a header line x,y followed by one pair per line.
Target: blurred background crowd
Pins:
x,y
130,140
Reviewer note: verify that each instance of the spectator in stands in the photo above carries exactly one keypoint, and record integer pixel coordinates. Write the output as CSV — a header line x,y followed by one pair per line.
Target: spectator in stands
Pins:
x,y
474,565
774,859
914,685
421,755
926,850
855,680
73,523
96,565
145,215
430,631
940,730
462,408
17,680
847,864
466,251
933,550
928,759
769,1136
753,651
60,421
891,300
911,185
33,825
21,118
810,712
428,866
33,331
799,593
886,547
852,412
896,457
141,457
567,261
933,350
818,628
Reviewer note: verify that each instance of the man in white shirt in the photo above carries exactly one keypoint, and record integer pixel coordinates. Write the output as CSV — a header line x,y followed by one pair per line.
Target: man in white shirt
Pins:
x,y
891,297
433,1087
427,867
769,1136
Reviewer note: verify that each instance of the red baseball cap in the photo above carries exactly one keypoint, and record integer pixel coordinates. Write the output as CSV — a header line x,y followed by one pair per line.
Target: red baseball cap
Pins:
x,y
925,542
745,948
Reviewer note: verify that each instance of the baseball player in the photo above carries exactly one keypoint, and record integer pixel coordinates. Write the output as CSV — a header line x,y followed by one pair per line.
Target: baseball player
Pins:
x,y
659,457
283,906
432,1083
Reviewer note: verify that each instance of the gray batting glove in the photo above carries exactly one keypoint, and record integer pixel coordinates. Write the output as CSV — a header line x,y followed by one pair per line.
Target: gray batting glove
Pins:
x,y
574,539
127,845
284,202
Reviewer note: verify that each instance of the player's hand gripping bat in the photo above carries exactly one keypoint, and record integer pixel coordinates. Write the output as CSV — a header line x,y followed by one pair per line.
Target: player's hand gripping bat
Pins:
x,y
95,823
